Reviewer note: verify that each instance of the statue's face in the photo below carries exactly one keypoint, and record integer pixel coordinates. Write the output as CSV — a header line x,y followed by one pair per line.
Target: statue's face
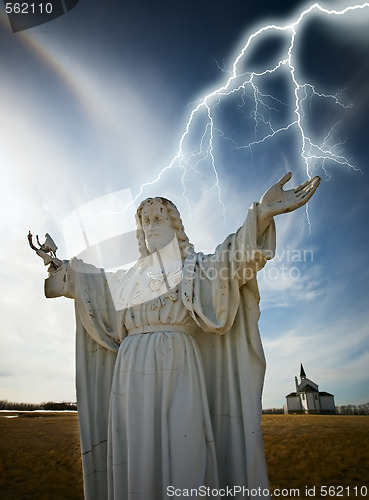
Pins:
x,y
157,225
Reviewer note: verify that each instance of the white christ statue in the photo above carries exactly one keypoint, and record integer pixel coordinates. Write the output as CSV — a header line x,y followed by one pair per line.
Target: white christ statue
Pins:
x,y
170,365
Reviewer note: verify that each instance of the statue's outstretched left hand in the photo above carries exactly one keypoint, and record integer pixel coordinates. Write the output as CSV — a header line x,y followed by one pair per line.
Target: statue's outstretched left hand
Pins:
x,y
276,201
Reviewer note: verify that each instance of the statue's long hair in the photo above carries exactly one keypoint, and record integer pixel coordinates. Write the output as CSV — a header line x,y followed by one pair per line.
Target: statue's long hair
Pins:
x,y
185,247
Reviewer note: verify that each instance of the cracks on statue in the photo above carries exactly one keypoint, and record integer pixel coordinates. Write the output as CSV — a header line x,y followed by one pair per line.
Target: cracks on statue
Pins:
x,y
95,472
92,351
95,349
94,446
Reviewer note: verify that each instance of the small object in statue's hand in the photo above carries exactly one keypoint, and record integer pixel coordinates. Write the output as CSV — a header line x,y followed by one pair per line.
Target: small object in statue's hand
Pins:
x,y
48,246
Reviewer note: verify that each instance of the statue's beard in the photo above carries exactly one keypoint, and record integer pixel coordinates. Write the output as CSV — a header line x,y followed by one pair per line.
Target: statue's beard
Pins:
x,y
167,247
155,243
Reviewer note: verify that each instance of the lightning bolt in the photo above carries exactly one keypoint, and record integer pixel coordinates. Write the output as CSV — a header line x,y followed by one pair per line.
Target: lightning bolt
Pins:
x,y
196,153
196,148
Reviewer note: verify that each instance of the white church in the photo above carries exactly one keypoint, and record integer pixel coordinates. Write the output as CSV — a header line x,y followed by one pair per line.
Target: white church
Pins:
x,y
308,398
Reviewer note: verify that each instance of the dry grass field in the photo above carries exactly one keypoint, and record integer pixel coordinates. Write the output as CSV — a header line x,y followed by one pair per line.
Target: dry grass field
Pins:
x,y
40,459
318,450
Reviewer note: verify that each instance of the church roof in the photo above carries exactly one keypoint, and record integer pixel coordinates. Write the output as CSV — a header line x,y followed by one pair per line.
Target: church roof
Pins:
x,y
322,393
291,394
308,387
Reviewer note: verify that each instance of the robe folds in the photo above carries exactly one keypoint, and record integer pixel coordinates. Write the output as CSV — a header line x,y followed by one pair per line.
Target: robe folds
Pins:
x,y
180,406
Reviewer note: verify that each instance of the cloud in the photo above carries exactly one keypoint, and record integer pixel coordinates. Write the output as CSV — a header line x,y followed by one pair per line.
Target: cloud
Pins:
x,y
334,355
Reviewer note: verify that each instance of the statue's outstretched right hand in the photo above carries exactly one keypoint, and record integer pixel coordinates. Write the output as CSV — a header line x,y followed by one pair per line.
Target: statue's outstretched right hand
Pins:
x,y
277,201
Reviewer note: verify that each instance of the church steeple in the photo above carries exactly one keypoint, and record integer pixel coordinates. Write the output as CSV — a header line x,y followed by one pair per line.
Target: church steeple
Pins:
x,y
302,373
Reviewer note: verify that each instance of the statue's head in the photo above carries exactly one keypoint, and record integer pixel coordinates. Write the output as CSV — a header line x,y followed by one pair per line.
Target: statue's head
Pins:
x,y
158,222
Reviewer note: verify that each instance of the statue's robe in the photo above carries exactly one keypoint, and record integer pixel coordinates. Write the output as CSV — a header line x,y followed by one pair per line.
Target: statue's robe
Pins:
x,y
220,293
